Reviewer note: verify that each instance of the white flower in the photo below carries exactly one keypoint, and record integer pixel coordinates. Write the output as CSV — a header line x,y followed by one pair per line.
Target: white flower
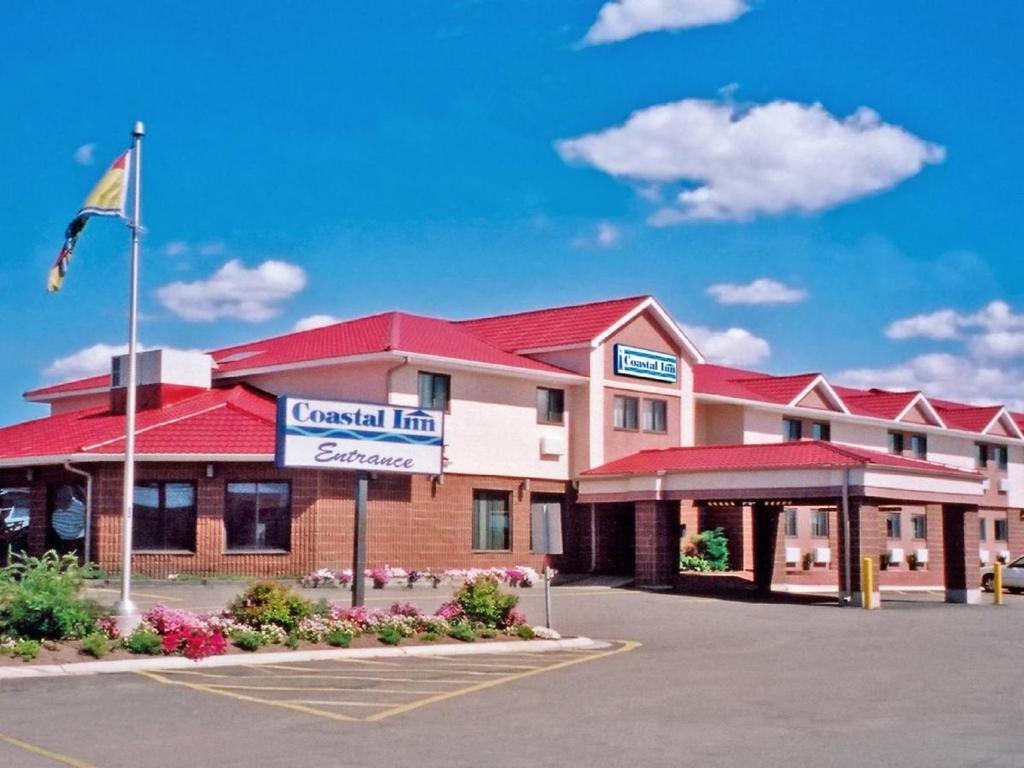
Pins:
x,y
545,633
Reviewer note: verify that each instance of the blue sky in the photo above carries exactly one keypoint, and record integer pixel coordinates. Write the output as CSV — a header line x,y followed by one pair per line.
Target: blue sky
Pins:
x,y
407,155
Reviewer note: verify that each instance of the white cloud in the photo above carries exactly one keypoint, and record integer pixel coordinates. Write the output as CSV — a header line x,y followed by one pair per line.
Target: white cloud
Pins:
x,y
623,19
606,235
84,155
314,321
731,346
234,291
772,158
993,331
212,248
764,290
175,248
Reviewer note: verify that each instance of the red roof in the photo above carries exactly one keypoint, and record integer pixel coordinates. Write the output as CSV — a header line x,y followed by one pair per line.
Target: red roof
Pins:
x,y
970,418
792,455
878,403
93,382
235,420
749,385
554,327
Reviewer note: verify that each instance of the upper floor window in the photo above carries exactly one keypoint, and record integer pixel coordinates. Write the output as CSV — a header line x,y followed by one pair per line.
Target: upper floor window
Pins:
x,y
165,516
980,455
626,412
792,430
550,406
790,513
896,443
435,390
894,525
919,446
1001,455
655,416
821,430
819,523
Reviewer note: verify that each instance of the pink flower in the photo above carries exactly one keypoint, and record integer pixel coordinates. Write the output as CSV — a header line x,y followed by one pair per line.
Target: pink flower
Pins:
x,y
449,611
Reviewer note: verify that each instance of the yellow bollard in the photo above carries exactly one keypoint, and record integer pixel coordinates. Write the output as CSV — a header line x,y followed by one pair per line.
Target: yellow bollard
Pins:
x,y
867,585
997,583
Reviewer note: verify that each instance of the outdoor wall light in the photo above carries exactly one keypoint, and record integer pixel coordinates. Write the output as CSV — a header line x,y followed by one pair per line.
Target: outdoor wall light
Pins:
x,y
210,470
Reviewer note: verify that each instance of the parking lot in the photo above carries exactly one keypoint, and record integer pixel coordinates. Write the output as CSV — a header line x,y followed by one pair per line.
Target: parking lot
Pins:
x,y
684,681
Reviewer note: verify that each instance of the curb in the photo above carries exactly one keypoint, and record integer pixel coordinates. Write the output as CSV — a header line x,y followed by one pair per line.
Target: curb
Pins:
x,y
237,660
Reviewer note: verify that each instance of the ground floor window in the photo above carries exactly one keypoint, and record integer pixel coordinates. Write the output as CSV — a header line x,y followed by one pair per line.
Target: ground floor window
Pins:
x,y
920,525
258,516
983,529
164,516
894,525
491,520
66,505
819,523
1002,530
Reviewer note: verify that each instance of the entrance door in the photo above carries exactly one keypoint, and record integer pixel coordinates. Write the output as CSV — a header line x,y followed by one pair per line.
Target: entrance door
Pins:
x,y
616,539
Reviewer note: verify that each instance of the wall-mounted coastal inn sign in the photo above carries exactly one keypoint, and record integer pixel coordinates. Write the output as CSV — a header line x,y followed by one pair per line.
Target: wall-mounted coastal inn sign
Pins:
x,y
367,437
645,363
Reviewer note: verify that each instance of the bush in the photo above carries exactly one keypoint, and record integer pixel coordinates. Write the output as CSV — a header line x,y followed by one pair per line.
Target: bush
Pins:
x,y
807,561
96,644
339,638
525,632
40,598
269,603
389,635
484,603
693,563
463,632
488,633
429,637
248,640
26,649
144,641
293,640
714,548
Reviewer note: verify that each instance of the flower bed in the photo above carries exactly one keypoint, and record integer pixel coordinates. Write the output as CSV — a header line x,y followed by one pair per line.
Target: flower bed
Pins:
x,y
516,576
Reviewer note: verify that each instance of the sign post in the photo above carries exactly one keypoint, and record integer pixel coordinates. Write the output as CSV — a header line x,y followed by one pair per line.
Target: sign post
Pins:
x,y
362,437
546,535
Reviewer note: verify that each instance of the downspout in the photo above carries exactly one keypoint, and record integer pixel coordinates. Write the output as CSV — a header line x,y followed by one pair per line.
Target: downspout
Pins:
x,y
387,376
88,507
844,599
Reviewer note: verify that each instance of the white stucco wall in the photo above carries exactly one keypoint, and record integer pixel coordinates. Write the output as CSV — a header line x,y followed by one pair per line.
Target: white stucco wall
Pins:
x,y
761,426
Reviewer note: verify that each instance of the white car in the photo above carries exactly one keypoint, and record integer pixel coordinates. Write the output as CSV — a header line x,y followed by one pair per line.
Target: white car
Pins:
x,y
1013,576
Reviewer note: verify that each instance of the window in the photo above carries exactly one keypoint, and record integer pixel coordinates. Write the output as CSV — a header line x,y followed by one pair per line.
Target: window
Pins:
x,y
819,523
491,523
919,446
655,416
435,390
896,443
550,405
791,430
821,430
920,525
626,412
1002,529
790,513
1001,454
982,529
164,516
980,455
258,516
894,525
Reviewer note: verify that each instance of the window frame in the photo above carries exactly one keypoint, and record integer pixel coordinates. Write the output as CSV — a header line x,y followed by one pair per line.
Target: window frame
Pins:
x,y
916,440
654,402
545,416
822,515
1001,456
915,520
981,455
1001,525
253,549
821,430
896,443
788,430
982,529
434,375
626,399
161,486
478,493
894,525
790,514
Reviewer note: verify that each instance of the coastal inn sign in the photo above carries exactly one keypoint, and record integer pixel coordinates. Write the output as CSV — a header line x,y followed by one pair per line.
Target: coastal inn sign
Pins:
x,y
367,437
645,363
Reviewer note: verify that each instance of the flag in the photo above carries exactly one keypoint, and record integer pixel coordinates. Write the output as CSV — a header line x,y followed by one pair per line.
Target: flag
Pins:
x,y
106,199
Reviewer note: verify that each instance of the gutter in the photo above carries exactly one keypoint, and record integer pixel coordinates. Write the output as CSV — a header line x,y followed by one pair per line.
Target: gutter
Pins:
x,y
88,507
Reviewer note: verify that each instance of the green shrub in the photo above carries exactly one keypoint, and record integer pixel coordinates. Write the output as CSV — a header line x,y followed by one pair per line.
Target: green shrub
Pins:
x,y
483,602
269,603
96,644
463,632
144,641
339,638
488,633
389,635
693,563
713,547
525,632
293,640
26,649
248,640
40,598
429,637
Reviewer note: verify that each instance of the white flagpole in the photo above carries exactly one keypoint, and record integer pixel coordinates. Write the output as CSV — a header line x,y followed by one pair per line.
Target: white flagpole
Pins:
x,y
124,607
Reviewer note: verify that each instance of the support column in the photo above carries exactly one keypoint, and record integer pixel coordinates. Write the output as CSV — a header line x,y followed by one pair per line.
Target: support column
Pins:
x,y
657,543
867,537
769,545
960,544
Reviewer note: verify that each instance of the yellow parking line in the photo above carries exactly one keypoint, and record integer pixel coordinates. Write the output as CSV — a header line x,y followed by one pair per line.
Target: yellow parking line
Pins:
x,y
451,662
147,595
316,677
332,689
43,752
627,645
340,703
252,699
